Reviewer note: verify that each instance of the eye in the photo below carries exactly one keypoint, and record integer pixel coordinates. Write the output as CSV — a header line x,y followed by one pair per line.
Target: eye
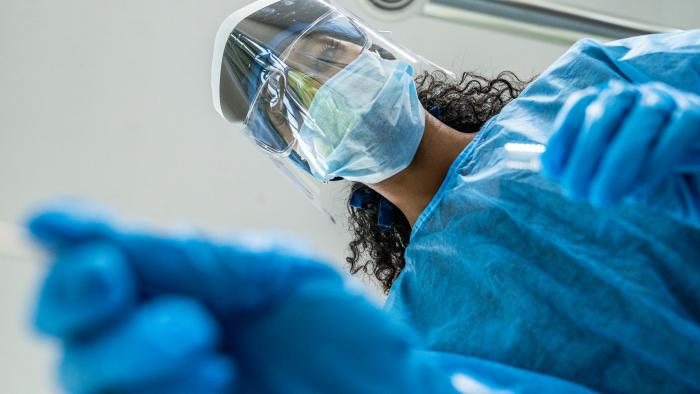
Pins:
x,y
328,54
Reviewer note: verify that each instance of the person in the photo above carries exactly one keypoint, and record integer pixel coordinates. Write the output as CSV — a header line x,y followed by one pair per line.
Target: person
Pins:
x,y
581,279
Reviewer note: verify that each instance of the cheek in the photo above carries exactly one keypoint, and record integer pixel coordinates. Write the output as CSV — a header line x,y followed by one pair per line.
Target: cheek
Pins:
x,y
349,53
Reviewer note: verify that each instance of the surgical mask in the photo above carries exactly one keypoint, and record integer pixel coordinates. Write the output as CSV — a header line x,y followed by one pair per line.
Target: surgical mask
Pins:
x,y
371,118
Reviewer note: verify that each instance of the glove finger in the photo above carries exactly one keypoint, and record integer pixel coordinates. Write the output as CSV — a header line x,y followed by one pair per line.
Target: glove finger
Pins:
x,y
566,126
601,121
63,223
211,375
87,286
154,343
238,275
620,168
674,152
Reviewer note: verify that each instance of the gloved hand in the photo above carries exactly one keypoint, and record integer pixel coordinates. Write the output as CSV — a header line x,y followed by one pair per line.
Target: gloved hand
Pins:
x,y
138,312
623,140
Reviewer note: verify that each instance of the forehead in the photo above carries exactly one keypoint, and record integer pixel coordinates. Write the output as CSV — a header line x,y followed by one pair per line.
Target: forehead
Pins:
x,y
280,23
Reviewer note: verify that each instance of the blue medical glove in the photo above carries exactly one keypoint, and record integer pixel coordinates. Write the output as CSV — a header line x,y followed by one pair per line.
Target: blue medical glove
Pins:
x,y
622,140
139,312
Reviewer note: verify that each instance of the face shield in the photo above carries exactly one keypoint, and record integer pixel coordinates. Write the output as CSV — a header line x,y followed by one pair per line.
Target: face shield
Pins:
x,y
323,95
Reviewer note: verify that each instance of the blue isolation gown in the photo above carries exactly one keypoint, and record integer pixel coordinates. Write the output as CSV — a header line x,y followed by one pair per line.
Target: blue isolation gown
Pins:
x,y
502,267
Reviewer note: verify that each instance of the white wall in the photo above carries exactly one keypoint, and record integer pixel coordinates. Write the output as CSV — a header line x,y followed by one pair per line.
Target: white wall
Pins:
x,y
109,100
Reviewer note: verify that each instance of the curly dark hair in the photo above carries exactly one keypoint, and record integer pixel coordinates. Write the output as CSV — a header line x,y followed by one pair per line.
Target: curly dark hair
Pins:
x,y
465,105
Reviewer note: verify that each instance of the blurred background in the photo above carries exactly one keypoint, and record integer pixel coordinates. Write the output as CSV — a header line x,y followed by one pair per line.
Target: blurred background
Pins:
x,y
110,101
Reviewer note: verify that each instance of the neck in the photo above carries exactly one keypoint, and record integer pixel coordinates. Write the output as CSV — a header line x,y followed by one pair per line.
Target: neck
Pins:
x,y
412,189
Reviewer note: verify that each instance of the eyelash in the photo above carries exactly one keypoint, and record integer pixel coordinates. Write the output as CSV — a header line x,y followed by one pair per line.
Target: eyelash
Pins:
x,y
329,47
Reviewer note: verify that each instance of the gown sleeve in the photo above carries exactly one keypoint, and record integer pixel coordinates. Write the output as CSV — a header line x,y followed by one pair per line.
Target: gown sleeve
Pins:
x,y
674,59
671,58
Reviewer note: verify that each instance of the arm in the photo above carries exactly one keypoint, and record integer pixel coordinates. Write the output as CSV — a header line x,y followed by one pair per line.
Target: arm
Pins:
x,y
624,142
141,312
670,58
144,313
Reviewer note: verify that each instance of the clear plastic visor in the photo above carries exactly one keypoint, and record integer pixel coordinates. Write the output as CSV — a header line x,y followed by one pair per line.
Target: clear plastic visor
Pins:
x,y
284,55
289,83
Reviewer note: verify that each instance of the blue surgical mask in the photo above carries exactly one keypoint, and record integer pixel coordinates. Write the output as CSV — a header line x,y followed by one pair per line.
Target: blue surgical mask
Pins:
x,y
366,122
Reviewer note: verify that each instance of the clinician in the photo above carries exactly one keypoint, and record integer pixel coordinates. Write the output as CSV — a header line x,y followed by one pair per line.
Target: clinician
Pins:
x,y
505,281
